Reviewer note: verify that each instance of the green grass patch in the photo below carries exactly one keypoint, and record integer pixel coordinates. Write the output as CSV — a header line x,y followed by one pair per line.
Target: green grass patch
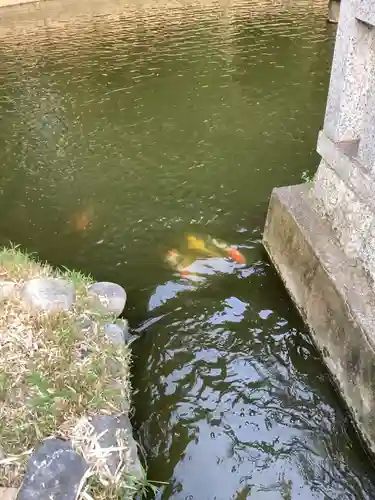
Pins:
x,y
52,375
307,177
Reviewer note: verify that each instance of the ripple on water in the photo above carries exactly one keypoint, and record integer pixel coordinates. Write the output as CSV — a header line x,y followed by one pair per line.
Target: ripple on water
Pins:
x,y
154,117
239,403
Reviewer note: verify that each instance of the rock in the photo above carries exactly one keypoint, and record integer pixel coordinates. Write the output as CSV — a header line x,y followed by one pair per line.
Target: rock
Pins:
x,y
7,290
8,493
333,14
110,426
118,333
54,470
49,294
110,297
115,334
124,325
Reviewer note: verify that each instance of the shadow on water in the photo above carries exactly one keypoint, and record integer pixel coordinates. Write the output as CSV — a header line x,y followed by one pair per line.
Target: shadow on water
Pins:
x,y
127,123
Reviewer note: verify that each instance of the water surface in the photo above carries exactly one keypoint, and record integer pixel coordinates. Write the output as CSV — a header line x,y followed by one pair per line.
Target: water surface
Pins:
x,y
126,124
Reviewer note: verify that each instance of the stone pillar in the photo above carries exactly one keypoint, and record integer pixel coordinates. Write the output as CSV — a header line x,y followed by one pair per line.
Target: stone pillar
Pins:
x,y
321,236
333,11
349,77
344,181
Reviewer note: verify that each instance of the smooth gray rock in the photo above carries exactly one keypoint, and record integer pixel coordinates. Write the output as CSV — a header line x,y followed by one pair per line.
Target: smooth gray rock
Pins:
x,y
8,289
107,296
54,471
124,325
111,425
115,334
49,294
118,333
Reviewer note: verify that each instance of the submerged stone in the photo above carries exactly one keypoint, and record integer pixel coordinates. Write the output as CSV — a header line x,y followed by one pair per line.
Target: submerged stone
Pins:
x,y
49,294
55,471
109,297
112,431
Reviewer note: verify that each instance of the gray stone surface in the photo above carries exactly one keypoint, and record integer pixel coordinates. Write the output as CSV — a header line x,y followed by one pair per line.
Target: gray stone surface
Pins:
x,y
124,325
348,214
366,150
115,334
344,185
7,289
49,294
365,11
55,471
347,95
108,296
346,165
107,428
333,293
321,237
118,332
344,194
333,11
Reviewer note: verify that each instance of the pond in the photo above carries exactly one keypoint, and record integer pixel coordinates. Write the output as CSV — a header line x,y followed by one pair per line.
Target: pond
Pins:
x,y
127,124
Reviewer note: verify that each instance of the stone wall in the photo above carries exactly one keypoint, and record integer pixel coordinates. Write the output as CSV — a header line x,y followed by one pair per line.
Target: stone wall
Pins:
x,y
333,13
321,236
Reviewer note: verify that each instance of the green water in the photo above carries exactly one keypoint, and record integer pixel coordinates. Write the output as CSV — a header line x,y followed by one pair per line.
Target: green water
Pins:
x,y
160,118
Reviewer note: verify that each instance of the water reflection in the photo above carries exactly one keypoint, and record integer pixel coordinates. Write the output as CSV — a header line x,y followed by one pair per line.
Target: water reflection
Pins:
x,y
245,399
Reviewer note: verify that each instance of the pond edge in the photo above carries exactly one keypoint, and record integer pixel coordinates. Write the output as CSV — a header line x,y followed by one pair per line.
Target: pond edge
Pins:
x,y
98,453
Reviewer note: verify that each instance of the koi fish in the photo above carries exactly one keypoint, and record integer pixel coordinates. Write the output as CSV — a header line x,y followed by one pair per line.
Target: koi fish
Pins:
x,y
81,220
212,247
201,248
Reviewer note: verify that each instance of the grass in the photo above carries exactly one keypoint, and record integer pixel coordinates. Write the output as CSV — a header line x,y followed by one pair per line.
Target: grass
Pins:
x,y
48,386
94,489
307,177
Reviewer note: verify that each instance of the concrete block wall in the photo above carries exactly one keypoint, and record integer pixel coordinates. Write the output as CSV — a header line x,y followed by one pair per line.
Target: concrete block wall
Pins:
x,y
344,186
321,236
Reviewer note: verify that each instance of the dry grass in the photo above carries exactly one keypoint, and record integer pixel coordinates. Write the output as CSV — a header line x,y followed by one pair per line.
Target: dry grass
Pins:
x,y
47,384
